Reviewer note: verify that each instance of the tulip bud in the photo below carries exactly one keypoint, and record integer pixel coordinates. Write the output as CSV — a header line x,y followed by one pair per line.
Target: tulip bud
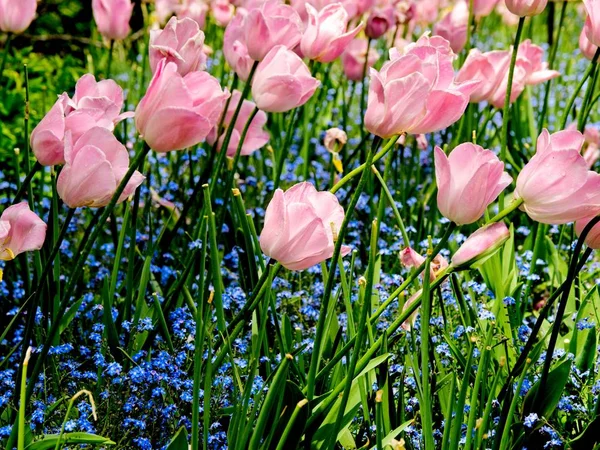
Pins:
x,y
585,46
482,244
592,22
523,8
112,18
379,22
16,15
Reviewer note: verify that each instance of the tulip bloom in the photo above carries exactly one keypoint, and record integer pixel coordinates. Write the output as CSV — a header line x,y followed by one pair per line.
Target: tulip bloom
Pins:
x,y
235,50
453,26
468,181
95,103
112,18
325,37
480,66
410,258
21,230
181,42
94,167
585,46
222,12
282,81
592,239
301,226
353,59
592,22
416,92
556,186
524,8
379,22
256,136
481,244
16,15
270,25
482,8
178,112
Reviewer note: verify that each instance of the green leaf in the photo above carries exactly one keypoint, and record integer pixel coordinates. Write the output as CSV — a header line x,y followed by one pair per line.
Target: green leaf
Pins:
x,y
49,441
546,401
588,438
179,441
586,356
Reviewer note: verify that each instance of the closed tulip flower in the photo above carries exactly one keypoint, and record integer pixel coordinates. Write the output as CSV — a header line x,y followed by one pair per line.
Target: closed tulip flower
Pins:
x,y
16,15
222,12
301,226
94,167
585,46
482,244
178,112
453,26
556,185
482,8
468,181
353,59
524,8
416,92
410,258
95,104
21,230
592,239
271,24
112,18
235,50
325,37
256,136
180,42
380,21
592,22
282,81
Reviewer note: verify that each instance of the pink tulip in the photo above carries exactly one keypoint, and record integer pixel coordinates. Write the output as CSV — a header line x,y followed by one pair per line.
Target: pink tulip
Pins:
x,y
95,103
524,8
468,181
222,12
592,239
301,225
592,22
269,25
482,8
507,17
379,22
585,46
453,26
325,37
479,66
94,167
193,9
235,50
178,112
482,244
410,258
353,59
556,186
21,230
16,15
282,81
426,12
112,18
256,136
416,92
181,42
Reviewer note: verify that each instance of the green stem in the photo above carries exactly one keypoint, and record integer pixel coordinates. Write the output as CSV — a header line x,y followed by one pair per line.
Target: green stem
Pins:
x,y
110,57
5,54
23,402
289,136
426,402
392,204
506,211
505,112
589,92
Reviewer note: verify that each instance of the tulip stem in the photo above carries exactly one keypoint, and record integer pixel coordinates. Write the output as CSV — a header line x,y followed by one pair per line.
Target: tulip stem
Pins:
x,y
571,102
426,402
563,304
289,136
26,153
506,110
316,353
79,265
5,53
506,211
364,88
392,203
582,116
111,49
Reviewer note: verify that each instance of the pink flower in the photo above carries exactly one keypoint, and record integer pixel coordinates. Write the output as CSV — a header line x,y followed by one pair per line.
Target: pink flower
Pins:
x,y
379,22
468,181
479,66
178,112
235,50
507,17
269,25
282,81
335,139
353,59
410,258
524,8
592,239
592,22
181,42
21,230
482,8
556,186
193,9
112,18
301,226
416,92
482,244
587,48
453,26
222,11
16,15
94,167
95,103
325,37
256,136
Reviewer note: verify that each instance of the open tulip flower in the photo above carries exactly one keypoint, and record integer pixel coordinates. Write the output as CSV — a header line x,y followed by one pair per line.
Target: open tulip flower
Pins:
x,y
21,230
